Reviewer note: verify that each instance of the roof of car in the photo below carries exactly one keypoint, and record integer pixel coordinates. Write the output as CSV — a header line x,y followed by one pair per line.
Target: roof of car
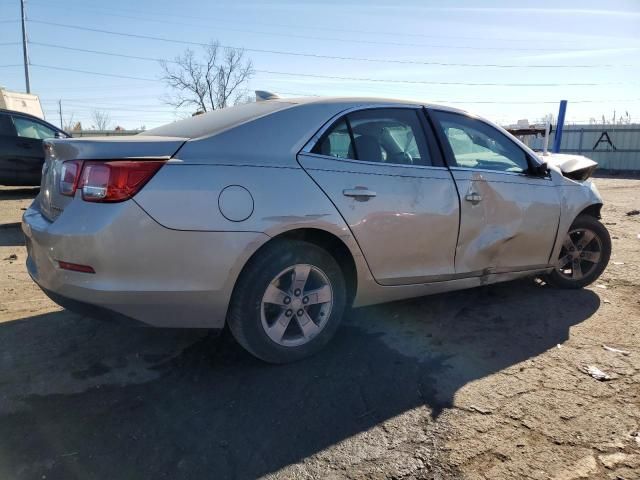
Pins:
x,y
360,101
216,121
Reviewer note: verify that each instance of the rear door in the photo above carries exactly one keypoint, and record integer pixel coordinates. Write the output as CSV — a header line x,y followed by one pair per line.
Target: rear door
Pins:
x,y
509,217
382,170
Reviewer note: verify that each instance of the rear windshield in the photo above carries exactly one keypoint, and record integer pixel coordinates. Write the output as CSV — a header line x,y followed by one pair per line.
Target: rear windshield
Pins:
x,y
218,120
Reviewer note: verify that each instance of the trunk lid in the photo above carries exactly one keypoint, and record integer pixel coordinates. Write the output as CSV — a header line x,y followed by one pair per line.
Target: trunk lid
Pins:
x,y
57,151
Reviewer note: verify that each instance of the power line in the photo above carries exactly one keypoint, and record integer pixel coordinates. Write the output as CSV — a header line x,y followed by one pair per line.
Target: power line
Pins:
x,y
357,79
343,40
102,74
119,107
218,19
314,55
422,82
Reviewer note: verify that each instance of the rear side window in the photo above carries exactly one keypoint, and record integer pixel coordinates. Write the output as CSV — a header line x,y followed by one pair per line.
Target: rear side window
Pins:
x,y
336,142
6,126
384,135
29,129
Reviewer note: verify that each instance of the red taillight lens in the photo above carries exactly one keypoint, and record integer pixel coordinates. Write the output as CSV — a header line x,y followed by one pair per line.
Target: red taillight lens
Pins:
x,y
69,177
115,181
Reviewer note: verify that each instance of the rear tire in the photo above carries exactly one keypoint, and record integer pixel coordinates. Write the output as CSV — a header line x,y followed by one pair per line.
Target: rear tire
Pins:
x,y
584,254
288,301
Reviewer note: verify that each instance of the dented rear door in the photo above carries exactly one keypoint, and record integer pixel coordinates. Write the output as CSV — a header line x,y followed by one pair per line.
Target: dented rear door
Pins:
x,y
508,218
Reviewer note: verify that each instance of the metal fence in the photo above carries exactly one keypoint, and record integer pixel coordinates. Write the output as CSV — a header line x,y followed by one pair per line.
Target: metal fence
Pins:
x,y
614,147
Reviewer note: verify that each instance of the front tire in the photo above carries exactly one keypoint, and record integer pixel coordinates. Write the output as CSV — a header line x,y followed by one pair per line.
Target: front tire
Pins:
x,y
288,301
584,255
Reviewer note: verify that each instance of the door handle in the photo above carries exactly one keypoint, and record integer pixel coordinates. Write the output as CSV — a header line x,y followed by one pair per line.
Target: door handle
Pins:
x,y
473,197
361,193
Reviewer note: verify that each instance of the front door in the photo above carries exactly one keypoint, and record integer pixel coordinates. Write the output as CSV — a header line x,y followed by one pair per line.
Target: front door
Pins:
x,y
386,178
28,147
509,217
9,153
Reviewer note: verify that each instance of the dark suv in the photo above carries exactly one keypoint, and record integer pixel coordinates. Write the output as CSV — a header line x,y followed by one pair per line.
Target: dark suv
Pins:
x,y
21,153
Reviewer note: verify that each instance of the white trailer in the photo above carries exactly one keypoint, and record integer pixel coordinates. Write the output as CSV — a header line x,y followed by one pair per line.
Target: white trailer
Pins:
x,y
21,102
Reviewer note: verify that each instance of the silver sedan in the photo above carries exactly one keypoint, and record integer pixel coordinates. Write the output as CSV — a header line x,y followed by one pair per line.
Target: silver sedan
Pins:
x,y
274,217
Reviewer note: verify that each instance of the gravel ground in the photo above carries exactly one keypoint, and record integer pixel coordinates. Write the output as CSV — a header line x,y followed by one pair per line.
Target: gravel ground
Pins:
x,y
478,384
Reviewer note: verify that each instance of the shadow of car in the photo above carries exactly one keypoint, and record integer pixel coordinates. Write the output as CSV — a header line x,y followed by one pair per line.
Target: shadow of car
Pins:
x,y
210,408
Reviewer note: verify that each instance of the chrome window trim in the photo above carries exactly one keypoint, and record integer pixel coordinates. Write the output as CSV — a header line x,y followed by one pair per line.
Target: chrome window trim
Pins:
x,y
373,164
499,172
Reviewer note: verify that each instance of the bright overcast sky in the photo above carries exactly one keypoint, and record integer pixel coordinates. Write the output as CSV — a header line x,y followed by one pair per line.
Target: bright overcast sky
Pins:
x,y
587,52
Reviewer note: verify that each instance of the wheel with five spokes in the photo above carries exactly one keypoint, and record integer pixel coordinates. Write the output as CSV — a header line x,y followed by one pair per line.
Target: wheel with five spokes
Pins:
x,y
288,301
584,255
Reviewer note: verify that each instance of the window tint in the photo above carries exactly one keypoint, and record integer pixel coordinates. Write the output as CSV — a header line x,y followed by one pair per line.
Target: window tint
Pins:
x,y
30,129
475,144
386,135
336,142
6,126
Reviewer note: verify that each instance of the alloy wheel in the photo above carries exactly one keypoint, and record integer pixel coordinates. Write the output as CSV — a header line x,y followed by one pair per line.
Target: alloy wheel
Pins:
x,y
296,305
580,254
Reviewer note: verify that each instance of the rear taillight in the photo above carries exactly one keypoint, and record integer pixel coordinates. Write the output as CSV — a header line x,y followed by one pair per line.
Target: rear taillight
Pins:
x,y
112,181
69,177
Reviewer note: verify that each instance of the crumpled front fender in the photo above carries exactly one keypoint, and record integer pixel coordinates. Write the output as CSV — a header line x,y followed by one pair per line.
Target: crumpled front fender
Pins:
x,y
575,197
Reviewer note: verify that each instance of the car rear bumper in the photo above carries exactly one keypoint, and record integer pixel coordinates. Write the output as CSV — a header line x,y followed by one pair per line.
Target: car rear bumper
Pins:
x,y
143,271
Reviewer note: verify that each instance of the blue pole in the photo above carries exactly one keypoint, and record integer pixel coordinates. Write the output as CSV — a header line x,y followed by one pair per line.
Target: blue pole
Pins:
x,y
558,137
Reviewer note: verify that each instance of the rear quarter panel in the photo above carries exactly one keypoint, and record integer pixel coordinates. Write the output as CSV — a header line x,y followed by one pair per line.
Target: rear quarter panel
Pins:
x,y
186,197
260,156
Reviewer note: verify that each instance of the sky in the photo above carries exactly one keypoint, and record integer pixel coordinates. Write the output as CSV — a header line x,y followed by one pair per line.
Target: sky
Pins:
x,y
495,58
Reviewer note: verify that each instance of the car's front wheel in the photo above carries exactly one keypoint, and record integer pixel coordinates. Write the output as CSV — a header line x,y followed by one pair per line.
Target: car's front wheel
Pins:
x,y
584,255
288,301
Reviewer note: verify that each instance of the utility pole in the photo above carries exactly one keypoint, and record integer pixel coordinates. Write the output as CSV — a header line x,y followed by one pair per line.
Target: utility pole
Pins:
x,y
60,112
24,47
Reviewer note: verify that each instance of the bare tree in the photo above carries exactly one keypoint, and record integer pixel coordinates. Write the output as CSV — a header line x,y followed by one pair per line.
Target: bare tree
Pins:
x,y
101,120
215,82
69,123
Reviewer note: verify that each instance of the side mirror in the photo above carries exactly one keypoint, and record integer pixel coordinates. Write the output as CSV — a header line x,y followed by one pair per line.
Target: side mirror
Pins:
x,y
540,170
59,135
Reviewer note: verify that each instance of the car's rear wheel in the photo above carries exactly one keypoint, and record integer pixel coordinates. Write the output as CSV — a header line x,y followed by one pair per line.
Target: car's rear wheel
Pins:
x,y
584,255
288,301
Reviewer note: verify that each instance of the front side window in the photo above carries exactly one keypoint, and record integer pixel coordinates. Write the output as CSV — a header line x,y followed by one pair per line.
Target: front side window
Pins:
x,y
475,144
385,135
30,129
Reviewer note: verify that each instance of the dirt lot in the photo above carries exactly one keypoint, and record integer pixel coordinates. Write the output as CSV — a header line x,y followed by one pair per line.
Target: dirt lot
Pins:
x,y
478,384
